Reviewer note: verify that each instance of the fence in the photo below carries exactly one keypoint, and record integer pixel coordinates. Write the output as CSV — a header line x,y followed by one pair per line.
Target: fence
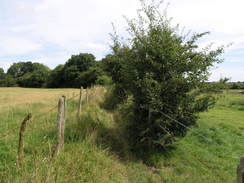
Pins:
x,y
61,118
240,167
60,125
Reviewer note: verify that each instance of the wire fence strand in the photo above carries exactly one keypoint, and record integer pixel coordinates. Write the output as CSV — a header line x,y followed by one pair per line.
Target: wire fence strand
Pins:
x,y
194,157
35,117
194,131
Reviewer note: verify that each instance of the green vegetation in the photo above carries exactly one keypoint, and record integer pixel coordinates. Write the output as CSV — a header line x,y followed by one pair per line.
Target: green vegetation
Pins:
x,y
131,130
97,150
163,72
79,70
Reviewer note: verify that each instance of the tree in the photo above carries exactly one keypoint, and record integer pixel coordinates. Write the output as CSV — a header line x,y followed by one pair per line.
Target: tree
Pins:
x,y
56,78
28,74
164,72
35,79
82,61
2,74
89,77
19,69
8,81
81,70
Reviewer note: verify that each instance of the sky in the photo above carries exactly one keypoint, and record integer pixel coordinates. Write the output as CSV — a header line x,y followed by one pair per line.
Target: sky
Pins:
x,y
50,31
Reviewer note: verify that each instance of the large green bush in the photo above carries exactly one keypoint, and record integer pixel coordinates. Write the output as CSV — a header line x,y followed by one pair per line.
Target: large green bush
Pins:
x,y
164,72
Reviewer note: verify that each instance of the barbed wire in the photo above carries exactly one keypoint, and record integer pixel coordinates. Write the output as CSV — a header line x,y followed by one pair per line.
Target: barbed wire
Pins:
x,y
194,157
53,108
205,165
164,129
203,136
9,132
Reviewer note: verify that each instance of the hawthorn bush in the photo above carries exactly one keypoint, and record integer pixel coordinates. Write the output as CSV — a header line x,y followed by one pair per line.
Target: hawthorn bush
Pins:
x,y
165,73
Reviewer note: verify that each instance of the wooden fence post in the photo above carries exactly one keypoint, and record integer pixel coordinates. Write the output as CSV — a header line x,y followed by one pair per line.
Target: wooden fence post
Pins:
x,y
87,95
60,125
80,101
21,138
240,171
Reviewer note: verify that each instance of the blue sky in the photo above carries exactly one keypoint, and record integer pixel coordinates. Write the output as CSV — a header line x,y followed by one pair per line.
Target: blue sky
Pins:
x,y
50,31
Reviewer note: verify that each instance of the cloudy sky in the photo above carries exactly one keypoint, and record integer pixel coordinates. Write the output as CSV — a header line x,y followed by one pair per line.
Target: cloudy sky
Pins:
x,y
50,31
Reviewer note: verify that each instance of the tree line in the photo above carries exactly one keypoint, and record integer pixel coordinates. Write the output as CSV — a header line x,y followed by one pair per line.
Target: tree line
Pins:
x,y
79,70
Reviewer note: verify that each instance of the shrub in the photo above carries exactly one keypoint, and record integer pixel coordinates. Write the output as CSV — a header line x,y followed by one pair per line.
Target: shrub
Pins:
x,y
159,68
104,80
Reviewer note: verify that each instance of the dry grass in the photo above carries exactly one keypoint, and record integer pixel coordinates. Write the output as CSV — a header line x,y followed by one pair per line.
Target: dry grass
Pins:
x,y
16,96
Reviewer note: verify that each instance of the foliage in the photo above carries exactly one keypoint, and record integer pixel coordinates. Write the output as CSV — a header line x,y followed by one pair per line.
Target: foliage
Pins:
x,y
236,85
104,80
79,70
160,68
19,69
56,78
89,151
26,74
36,77
2,74
7,81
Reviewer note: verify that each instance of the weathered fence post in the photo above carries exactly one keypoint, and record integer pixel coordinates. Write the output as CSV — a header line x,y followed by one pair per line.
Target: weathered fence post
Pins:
x,y
86,95
240,171
60,125
21,138
80,102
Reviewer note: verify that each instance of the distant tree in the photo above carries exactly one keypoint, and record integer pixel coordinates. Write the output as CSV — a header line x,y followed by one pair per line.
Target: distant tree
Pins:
x,y
28,74
82,61
234,86
36,78
71,73
78,70
89,77
19,69
8,81
56,78
164,72
223,83
2,74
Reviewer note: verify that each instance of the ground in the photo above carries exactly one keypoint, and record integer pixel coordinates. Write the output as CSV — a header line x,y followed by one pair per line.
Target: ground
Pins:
x,y
95,146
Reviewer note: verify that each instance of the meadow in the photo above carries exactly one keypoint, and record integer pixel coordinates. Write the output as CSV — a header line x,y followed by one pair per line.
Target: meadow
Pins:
x,y
96,149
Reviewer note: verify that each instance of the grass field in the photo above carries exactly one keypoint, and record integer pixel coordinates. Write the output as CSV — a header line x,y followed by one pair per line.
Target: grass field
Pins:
x,y
95,147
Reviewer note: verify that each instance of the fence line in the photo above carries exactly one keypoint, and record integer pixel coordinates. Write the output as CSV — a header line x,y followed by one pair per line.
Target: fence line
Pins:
x,y
80,102
194,157
61,125
21,139
206,138
240,168
34,117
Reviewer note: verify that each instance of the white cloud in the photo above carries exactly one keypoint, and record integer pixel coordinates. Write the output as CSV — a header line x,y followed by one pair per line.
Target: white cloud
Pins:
x,y
222,16
67,22
15,45
235,74
73,26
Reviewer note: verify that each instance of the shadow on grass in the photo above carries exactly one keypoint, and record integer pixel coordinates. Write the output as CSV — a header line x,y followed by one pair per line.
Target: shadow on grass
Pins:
x,y
114,138
95,130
